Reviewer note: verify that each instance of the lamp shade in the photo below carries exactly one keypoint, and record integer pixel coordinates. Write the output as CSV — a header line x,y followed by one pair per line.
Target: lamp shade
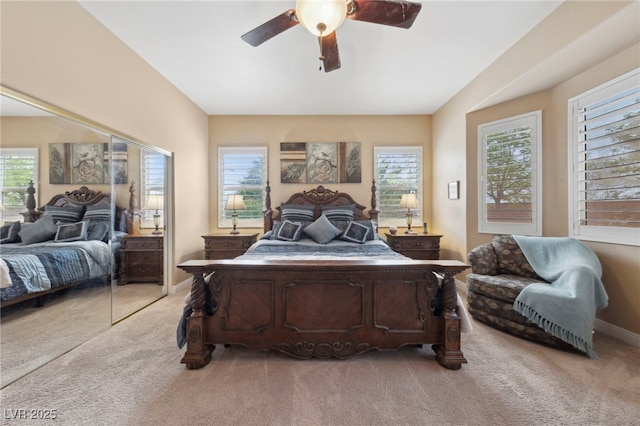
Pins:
x,y
409,201
235,202
154,202
321,17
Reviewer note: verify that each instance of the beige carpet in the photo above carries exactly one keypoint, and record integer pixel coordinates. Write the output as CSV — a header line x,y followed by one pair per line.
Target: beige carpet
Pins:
x,y
131,375
32,336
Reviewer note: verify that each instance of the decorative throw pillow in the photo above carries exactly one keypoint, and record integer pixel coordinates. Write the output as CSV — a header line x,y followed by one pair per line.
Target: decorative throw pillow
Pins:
x,y
9,233
511,260
68,214
356,233
338,213
288,231
97,213
98,231
322,230
41,230
71,232
297,212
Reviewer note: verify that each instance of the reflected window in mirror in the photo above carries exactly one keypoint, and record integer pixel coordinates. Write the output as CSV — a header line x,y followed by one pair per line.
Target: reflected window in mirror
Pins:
x,y
18,167
153,171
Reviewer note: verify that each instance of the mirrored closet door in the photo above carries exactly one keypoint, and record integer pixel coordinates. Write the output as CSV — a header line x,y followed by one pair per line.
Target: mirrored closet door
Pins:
x,y
66,185
139,176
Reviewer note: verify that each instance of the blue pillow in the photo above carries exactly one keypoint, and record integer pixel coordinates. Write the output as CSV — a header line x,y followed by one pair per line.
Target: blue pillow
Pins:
x,y
338,213
322,230
69,214
98,213
288,231
297,212
356,233
9,233
41,230
71,232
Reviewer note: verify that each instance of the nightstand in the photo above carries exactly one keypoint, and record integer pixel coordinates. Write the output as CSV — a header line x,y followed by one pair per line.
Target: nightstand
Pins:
x,y
141,259
416,246
227,246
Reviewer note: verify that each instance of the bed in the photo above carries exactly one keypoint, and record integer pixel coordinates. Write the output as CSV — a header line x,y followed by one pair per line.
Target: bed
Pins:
x,y
325,301
63,244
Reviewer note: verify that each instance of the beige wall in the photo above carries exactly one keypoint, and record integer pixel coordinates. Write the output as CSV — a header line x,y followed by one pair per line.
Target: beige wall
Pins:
x,y
455,129
39,132
58,53
269,131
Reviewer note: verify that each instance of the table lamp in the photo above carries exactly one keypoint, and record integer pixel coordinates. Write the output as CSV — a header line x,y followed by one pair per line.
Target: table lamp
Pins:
x,y
409,201
235,202
155,202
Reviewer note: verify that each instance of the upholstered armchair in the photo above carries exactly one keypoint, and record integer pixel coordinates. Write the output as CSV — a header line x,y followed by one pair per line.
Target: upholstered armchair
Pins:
x,y
499,273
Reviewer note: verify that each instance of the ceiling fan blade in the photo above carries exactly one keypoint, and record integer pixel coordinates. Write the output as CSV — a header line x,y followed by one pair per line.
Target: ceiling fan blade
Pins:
x,y
329,52
271,28
386,12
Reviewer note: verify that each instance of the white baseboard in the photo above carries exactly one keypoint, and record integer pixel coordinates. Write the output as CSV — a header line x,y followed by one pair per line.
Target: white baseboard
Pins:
x,y
181,287
617,332
599,325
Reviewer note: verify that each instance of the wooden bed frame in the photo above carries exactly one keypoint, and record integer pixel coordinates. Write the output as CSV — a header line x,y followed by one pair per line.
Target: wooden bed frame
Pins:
x,y
324,308
79,197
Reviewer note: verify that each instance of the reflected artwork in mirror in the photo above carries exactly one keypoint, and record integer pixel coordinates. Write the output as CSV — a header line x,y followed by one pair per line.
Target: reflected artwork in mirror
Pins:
x,y
45,316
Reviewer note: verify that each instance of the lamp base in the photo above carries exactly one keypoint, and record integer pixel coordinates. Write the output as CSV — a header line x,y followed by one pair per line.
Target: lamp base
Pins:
x,y
410,231
156,232
234,231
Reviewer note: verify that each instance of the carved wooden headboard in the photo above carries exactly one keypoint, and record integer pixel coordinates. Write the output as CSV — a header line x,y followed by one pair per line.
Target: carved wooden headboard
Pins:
x,y
320,196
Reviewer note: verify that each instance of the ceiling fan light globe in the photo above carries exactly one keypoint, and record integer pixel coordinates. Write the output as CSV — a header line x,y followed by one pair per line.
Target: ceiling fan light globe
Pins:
x,y
321,17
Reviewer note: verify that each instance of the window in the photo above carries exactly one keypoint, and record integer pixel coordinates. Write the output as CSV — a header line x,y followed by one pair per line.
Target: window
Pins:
x,y
153,172
510,168
18,166
398,171
604,149
242,171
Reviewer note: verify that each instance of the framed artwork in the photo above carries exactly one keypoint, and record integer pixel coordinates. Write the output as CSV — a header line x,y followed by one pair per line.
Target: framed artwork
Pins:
x,y
87,163
453,189
320,162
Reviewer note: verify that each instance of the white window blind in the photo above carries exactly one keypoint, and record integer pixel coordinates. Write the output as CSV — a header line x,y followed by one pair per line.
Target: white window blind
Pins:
x,y
153,172
510,184
18,166
242,171
604,138
398,170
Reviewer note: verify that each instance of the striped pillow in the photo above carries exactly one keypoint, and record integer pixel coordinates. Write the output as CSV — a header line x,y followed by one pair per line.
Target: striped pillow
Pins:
x,y
297,212
339,212
70,214
98,213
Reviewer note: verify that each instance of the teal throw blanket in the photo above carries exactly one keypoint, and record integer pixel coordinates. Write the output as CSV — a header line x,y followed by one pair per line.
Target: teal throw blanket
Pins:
x,y
566,308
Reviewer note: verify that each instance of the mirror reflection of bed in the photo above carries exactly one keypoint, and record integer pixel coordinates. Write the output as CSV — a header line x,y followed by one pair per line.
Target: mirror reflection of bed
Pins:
x,y
36,330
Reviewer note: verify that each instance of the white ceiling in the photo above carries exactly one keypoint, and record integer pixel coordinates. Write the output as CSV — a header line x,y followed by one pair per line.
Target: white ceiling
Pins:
x,y
385,70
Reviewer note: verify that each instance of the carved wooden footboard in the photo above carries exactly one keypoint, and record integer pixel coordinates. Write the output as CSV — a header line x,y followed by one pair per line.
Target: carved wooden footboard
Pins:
x,y
324,308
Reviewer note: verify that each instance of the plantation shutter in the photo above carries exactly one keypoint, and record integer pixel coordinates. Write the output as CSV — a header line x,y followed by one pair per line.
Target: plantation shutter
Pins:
x,y
606,160
243,172
18,166
510,176
153,182
398,172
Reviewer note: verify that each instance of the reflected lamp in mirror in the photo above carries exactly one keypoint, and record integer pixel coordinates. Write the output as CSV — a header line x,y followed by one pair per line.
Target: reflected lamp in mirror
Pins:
x,y
409,201
155,202
235,202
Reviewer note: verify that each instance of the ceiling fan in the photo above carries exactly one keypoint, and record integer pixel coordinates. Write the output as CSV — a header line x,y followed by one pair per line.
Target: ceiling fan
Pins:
x,y
323,17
